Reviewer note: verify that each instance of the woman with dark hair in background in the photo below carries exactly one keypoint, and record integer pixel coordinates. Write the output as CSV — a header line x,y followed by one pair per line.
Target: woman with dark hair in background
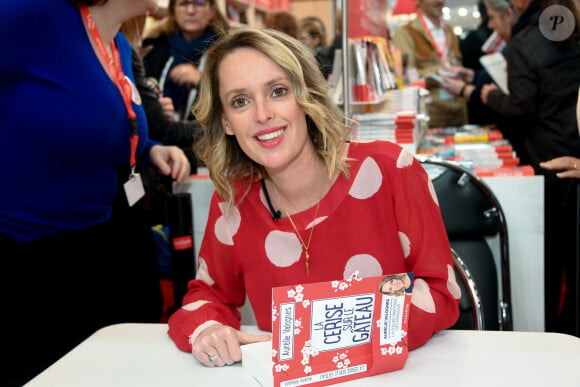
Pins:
x,y
312,33
282,20
175,46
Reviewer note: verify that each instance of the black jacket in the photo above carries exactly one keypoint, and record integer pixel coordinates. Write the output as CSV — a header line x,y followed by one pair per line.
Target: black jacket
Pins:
x,y
543,81
161,127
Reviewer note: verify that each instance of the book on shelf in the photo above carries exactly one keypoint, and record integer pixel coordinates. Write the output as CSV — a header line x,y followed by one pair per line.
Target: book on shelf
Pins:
x,y
371,71
330,332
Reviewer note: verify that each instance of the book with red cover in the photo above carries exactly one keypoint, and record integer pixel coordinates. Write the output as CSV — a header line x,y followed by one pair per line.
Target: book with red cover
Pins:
x,y
330,332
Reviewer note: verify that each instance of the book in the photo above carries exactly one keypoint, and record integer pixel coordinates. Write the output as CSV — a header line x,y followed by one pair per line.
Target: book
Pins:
x,y
496,66
519,171
330,332
493,44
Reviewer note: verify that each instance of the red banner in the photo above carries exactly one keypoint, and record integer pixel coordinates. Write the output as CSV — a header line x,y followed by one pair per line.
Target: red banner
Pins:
x,y
367,17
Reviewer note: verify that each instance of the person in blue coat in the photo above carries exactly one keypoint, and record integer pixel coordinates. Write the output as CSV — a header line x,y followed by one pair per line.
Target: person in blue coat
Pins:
x,y
74,138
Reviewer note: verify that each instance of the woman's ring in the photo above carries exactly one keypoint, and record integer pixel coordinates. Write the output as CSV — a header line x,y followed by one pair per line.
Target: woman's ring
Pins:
x,y
212,358
574,166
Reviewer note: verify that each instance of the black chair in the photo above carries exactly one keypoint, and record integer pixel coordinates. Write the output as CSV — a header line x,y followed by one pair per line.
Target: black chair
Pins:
x,y
471,314
472,214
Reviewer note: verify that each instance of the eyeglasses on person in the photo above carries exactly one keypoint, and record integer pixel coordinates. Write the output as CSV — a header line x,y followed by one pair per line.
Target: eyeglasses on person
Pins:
x,y
197,4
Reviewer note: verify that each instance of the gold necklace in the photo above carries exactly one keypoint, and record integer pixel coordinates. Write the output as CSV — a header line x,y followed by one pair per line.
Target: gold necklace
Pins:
x,y
306,246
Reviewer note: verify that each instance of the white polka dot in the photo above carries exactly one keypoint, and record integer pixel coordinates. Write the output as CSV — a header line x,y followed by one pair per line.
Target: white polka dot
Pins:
x,y
405,244
366,265
283,248
228,224
452,284
194,305
422,297
405,159
203,272
432,191
368,180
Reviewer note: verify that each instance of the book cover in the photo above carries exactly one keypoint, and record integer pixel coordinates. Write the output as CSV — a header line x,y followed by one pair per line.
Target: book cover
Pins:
x,y
330,332
496,66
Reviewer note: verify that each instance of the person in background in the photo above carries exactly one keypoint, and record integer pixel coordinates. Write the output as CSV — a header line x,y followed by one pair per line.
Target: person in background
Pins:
x,y
567,166
326,55
543,80
471,51
468,83
288,182
158,108
162,128
470,44
175,49
429,44
282,20
312,33
75,137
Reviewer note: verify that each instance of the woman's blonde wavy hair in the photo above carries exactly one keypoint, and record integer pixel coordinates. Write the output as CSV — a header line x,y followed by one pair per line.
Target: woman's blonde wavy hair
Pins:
x,y
328,128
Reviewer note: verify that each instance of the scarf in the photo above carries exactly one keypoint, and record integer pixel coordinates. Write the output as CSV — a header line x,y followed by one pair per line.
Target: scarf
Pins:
x,y
183,51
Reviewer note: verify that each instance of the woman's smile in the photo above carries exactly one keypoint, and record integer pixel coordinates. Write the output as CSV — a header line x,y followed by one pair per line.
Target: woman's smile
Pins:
x,y
271,135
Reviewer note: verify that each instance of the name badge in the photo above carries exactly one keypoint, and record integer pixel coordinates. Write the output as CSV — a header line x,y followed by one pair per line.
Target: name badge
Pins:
x,y
134,189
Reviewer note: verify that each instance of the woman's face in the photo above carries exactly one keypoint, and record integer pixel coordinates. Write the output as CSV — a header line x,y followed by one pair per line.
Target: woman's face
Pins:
x,y
193,16
392,286
311,41
501,22
261,111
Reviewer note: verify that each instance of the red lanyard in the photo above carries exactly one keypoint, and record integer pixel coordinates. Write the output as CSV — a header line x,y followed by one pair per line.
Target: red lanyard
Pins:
x,y
441,51
121,81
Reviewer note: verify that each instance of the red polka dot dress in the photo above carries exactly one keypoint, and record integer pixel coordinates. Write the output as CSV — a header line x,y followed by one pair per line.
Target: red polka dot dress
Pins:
x,y
383,219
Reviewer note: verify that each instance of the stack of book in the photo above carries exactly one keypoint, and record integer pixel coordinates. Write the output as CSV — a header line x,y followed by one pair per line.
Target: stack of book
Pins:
x,y
482,149
401,127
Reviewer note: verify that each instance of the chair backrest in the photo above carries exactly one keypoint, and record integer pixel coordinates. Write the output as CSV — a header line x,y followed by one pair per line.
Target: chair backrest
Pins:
x,y
472,214
471,314
201,189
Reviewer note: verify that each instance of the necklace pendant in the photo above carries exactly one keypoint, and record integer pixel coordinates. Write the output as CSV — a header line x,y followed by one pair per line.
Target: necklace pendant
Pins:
x,y
307,255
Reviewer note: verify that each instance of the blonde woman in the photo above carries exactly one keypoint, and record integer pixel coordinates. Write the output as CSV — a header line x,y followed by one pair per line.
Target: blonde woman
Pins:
x,y
296,202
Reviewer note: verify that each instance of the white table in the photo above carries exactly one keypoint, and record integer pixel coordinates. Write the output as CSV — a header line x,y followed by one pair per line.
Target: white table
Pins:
x,y
522,200
143,355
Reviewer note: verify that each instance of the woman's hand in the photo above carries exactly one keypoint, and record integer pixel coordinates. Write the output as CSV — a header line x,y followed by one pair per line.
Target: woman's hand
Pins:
x,y
486,90
459,72
167,105
171,161
185,73
219,345
568,164
452,85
